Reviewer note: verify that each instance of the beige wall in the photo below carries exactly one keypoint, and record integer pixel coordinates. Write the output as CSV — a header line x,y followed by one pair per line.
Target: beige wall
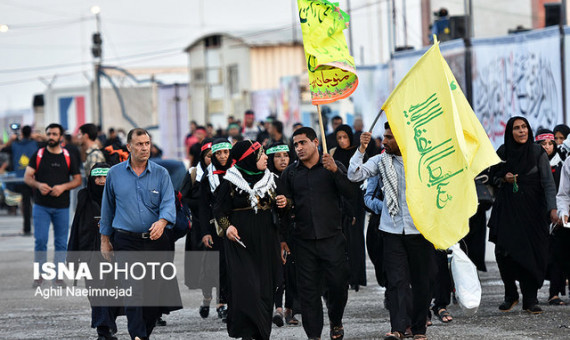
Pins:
x,y
269,64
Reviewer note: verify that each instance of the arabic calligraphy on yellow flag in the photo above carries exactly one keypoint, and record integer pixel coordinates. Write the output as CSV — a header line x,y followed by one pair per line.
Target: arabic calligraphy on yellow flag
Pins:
x,y
443,147
332,75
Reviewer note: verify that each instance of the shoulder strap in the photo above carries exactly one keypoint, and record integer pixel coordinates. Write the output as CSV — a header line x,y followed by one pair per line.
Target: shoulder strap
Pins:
x,y
39,157
67,158
41,154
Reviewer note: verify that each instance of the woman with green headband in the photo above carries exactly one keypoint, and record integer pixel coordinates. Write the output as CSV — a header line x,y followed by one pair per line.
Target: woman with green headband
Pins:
x,y
85,244
279,157
220,162
246,209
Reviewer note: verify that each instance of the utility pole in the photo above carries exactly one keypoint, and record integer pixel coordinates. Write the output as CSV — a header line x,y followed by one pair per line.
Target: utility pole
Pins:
x,y
97,52
349,29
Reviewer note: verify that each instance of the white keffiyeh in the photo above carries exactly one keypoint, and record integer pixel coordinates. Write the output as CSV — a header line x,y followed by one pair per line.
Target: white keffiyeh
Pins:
x,y
259,190
213,179
556,159
390,179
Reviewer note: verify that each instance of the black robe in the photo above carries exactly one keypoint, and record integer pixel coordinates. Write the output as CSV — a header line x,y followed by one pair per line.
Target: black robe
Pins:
x,y
253,272
519,222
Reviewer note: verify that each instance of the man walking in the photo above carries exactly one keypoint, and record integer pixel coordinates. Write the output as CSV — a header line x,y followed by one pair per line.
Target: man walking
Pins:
x,y
21,150
408,256
93,154
316,185
138,204
48,172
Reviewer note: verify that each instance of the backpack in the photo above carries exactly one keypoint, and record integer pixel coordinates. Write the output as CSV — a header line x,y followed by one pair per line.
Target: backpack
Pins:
x,y
114,156
183,217
40,155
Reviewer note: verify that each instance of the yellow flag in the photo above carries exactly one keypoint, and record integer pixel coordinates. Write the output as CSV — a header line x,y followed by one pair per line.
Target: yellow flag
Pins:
x,y
443,147
332,75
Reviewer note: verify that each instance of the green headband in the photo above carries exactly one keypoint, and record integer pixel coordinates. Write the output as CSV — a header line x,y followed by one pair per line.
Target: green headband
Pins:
x,y
99,172
278,148
221,146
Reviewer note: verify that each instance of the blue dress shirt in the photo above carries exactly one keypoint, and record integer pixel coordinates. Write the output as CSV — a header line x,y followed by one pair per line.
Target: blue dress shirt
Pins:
x,y
133,203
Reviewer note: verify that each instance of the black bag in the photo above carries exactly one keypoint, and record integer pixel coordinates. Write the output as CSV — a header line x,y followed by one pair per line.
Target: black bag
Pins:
x,y
484,194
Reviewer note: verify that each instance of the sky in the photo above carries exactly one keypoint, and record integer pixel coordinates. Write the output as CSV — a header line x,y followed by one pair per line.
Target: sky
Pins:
x,y
49,41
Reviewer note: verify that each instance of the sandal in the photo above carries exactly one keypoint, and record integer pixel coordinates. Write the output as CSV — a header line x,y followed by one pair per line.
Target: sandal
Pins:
x,y
420,337
290,318
394,336
443,313
337,332
556,301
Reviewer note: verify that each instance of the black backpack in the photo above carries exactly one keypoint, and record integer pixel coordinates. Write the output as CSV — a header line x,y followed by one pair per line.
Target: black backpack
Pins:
x,y
183,217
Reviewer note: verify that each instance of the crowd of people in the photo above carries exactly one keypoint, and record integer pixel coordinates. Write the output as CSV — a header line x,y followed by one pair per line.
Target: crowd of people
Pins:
x,y
288,221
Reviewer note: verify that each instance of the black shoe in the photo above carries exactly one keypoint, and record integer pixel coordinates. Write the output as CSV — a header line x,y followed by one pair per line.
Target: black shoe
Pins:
x,y
26,233
37,283
160,322
534,309
204,311
278,319
507,305
222,313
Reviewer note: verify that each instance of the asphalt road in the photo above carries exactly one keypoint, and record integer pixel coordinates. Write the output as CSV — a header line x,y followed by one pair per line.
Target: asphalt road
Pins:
x,y
25,316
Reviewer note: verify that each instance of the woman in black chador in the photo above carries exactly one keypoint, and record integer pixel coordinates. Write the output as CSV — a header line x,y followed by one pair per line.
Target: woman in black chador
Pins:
x,y
209,187
525,199
353,213
245,209
85,246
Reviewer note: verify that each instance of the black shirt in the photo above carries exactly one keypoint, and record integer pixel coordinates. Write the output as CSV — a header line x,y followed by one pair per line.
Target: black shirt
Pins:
x,y
316,195
53,170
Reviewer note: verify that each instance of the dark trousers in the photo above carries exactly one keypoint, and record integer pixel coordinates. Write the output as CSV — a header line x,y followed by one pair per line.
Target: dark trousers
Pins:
x,y
319,260
510,272
27,193
408,260
442,286
140,320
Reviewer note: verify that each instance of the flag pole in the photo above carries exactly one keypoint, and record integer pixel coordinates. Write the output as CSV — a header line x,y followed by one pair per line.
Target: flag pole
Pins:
x,y
323,137
375,120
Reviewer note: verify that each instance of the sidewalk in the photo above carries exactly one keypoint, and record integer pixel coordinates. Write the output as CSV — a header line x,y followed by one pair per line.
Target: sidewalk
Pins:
x,y
25,316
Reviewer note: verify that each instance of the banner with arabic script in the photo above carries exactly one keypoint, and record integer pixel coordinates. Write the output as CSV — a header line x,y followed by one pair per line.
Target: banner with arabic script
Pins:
x,y
332,75
443,146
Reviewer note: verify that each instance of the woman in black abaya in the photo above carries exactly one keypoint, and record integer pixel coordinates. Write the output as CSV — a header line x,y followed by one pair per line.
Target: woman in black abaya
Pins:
x,y
353,211
519,222
246,209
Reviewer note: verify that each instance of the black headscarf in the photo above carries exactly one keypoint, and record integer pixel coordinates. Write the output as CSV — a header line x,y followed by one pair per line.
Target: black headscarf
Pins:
x,y
563,129
215,161
245,154
271,158
96,191
518,156
344,155
205,148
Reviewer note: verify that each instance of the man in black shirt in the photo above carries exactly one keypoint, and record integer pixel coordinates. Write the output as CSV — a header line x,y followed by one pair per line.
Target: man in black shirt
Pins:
x,y
316,184
48,172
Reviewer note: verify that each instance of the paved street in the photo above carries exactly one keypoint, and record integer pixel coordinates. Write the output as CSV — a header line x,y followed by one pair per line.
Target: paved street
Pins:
x,y
25,316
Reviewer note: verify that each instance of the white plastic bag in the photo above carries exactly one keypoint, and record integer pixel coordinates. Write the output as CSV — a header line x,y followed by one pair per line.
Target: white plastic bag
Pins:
x,y
466,280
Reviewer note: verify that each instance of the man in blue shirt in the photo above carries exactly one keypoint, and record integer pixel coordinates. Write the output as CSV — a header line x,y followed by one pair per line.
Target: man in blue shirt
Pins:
x,y
407,256
138,204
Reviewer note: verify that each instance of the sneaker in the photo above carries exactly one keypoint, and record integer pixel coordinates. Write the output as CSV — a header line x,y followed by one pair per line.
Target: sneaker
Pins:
x,y
507,305
59,283
534,309
37,283
222,313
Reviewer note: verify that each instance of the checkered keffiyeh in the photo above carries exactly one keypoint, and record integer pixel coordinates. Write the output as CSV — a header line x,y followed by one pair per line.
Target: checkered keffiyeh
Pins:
x,y
390,179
